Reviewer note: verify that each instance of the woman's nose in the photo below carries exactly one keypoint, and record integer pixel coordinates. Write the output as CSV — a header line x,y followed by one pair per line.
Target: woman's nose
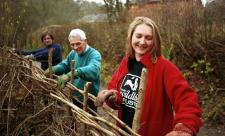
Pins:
x,y
142,41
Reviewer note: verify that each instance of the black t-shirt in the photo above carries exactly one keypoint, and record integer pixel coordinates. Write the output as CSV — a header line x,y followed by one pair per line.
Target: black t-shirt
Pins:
x,y
129,90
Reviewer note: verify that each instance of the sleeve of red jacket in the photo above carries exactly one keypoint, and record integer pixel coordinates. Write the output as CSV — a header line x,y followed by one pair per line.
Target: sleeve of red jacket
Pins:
x,y
113,84
183,98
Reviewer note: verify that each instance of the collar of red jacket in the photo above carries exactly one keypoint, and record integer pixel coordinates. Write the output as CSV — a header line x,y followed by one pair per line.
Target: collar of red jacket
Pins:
x,y
145,59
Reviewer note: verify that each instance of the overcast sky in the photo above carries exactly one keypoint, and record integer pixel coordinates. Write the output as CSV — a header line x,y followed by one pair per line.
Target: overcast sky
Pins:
x,y
97,1
101,1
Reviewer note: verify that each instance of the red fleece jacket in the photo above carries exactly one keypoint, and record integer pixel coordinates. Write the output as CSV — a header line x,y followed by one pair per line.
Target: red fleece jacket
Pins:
x,y
168,98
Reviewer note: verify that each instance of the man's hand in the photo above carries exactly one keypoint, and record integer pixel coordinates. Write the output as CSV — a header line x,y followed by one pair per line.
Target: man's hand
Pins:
x,y
62,80
65,78
75,74
47,72
110,95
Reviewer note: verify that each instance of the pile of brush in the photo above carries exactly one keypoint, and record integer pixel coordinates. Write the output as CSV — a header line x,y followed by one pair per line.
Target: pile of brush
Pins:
x,y
32,104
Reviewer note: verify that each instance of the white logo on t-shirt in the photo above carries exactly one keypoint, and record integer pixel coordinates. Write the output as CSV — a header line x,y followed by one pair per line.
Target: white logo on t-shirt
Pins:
x,y
132,85
129,89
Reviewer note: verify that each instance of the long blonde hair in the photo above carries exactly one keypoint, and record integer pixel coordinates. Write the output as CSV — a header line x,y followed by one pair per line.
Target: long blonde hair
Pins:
x,y
156,50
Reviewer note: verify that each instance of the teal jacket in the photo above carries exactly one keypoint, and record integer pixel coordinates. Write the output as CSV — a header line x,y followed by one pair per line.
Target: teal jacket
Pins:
x,y
88,66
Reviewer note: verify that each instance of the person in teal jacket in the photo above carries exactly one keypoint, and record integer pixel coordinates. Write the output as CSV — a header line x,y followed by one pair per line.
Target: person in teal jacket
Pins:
x,y
87,66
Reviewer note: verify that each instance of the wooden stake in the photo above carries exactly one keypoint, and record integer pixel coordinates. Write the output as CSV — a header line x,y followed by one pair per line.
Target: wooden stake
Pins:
x,y
140,101
85,102
72,65
50,52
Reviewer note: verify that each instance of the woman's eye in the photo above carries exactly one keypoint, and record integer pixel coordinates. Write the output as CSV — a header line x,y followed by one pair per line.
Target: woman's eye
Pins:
x,y
149,37
138,36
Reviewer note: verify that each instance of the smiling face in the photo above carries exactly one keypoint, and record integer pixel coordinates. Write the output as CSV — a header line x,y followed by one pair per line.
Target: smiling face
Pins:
x,y
77,44
47,40
142,40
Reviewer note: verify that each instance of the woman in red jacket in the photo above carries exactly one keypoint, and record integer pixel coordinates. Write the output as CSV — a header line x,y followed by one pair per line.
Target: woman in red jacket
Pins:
x,y
170,105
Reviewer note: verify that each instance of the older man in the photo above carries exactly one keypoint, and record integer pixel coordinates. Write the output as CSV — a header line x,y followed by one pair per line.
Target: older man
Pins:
x,y
87,65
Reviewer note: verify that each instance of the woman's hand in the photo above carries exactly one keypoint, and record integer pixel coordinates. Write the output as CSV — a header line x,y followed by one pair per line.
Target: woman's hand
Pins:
x,y
178,133
180,130
110,95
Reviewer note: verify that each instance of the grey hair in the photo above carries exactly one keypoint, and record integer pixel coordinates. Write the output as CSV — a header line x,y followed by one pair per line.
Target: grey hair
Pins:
x,y
77,32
